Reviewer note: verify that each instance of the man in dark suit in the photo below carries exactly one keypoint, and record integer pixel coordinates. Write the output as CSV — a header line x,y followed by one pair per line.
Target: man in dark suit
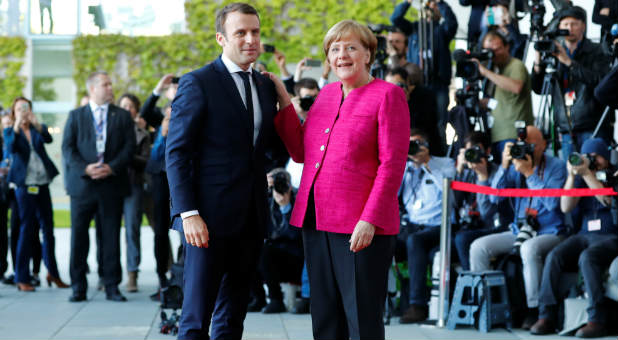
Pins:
x,y
222,120
98,145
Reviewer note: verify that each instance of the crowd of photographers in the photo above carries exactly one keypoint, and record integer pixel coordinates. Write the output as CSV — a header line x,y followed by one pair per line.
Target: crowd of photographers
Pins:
x,y
501,142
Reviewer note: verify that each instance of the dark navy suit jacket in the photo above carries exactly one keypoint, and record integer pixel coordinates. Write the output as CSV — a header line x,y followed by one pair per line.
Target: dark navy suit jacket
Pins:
x,y
20,151
79,150
212,164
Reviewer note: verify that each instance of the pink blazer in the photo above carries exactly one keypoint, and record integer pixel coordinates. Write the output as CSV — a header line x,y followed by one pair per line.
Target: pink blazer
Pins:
x,y
354,154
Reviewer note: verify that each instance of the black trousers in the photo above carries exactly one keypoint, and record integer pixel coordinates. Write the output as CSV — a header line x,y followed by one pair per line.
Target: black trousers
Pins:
x,y
35,246
348,290
278,265
4,237
161,225
109,211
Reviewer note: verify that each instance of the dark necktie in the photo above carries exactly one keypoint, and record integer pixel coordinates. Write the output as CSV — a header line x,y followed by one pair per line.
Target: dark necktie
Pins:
x,y
248,97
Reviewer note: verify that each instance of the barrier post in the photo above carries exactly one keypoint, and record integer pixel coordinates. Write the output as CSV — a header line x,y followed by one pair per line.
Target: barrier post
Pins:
x,y
445,254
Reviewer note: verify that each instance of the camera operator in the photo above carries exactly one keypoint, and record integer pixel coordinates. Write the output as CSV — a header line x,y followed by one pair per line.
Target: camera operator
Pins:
x,y
512,92
593,247
476,212
422,105
421,196
538,221
282,255
582,63
439,54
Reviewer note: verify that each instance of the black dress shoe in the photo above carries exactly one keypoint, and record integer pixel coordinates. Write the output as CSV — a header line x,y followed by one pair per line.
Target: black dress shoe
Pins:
x,y
301,306
77,297
9,280
113,294
275,306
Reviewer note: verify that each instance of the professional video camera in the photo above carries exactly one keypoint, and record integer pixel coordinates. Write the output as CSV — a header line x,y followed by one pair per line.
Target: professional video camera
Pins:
x,y
547,47
415,146
378,69
466,68
520,149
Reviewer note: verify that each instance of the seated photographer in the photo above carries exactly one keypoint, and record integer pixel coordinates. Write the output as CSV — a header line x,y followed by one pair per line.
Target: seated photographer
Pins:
x,y
421,196
538,221
581,65
593,247
512,92
282,255
443,33
476,212
421,103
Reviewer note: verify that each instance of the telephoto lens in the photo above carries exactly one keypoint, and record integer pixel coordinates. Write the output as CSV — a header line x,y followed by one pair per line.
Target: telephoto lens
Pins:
x,y
474,154
520,149
576,159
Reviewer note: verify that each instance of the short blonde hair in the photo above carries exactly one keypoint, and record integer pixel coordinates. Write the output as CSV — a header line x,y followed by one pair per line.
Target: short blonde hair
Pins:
x,y
347,28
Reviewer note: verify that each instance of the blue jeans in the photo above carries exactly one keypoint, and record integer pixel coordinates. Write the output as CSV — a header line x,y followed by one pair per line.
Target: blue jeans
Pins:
x,y
305,291
568,146
132,211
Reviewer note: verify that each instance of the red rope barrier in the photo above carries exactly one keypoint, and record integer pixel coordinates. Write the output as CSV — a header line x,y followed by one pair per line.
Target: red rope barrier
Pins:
x,y
474,188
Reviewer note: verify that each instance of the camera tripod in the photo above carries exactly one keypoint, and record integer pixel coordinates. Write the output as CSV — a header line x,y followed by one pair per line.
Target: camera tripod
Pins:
x,y
426,48
546,121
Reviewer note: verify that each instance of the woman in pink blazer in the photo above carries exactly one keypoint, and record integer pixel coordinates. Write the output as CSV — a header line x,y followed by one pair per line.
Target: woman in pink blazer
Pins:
x,y
354,146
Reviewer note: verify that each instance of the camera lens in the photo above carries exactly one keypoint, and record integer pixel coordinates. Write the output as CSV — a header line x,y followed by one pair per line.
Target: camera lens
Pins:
x,y
414,148
575,159
473,155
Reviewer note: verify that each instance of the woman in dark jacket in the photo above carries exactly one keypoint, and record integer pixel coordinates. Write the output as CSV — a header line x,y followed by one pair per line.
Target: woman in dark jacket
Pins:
x,y
31,172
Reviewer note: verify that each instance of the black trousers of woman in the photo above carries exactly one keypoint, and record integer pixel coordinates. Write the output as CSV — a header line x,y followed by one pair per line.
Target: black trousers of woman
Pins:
x,y
36,247
348,290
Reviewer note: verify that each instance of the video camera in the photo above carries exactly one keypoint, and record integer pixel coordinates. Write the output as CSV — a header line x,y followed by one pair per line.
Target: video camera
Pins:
x,y
547,44
466,68
378,68
520,149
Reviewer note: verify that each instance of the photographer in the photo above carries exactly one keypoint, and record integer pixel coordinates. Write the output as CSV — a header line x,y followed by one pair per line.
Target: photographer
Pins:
x,y
512,92
476,212
282,256
582,63
421,103
593,247
440,55
421,195
538,221
305,92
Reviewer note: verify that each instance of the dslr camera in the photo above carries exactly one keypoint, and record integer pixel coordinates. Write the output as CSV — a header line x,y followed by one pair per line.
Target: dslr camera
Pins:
x,y
527,230
280,183
306,102
578,159
415,146
475,154
520,149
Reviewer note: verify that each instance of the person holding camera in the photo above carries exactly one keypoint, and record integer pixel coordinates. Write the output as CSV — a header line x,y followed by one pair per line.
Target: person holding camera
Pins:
x,y
421,103
421,196
476,212
497,17
512,92
305,92
580,66
439,54
593,247
538,223
282,256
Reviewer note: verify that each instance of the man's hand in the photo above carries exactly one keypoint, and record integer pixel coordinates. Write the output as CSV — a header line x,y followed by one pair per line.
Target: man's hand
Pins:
x,y
524,166
280,61
196,232
300,68
98,170
325,69
506,155
362,236
461,160
480,169
604,11
579,170
561,54
164,83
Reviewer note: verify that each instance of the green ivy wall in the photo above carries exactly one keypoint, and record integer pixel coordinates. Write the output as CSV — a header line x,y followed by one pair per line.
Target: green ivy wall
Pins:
x,y
295,27
12,53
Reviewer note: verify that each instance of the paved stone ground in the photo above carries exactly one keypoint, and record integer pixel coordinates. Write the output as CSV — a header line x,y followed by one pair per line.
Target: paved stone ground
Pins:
x,y
46,314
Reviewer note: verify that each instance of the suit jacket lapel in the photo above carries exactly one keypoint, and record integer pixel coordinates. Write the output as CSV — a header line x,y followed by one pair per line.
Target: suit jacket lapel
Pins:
x,y
230,87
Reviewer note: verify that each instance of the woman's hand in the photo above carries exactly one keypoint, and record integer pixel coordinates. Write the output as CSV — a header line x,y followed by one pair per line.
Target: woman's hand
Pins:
x,y
282,94
362,236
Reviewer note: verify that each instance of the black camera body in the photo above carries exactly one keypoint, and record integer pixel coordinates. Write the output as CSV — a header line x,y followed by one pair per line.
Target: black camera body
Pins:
x,y
466,68
306,102
280,183
520,149
578,159
415,146
474,154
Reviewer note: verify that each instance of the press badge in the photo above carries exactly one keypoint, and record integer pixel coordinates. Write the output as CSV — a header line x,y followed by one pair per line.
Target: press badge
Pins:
x,y
594,225
33,190
569,98
100,146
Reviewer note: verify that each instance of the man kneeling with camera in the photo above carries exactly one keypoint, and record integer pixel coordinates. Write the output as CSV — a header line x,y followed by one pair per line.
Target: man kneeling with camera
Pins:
x,y
593,247
538,221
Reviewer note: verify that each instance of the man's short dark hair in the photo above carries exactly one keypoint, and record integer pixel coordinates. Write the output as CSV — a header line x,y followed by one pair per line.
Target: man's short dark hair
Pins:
x,y
233,7
398,71
495,34
405,36
419,132
477,137
305,83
